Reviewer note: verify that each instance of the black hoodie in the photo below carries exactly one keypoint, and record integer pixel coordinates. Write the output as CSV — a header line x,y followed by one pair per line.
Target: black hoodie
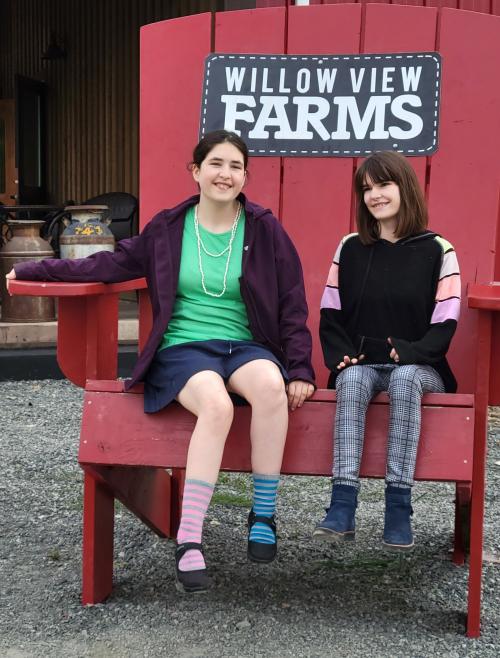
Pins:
x,y
386,290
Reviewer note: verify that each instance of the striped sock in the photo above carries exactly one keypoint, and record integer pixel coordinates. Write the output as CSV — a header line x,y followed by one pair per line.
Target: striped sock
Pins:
x,y
195,502
264,504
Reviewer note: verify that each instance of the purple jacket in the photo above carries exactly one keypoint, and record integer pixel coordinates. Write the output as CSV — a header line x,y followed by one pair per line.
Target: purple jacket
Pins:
x,y
271,284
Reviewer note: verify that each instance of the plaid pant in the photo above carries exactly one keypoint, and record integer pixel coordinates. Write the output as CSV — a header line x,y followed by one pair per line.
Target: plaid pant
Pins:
x,y
356,385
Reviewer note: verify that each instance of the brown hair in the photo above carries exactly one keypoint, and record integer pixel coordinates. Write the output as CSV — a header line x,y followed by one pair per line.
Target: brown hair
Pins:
x,y
212,139
381,168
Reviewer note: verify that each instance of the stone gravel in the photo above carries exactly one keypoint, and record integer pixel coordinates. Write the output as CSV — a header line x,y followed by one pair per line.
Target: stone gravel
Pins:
x,y
312,601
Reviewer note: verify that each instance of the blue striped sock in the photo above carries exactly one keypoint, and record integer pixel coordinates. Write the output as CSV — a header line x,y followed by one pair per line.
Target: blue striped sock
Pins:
x,y
264,504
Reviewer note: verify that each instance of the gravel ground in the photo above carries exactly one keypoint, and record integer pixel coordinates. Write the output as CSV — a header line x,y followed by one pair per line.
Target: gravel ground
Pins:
x,y
312,601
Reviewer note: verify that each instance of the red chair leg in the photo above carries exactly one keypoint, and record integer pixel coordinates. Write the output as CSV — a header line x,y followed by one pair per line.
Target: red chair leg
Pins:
x,y
98,522
462,522
478,475
178,479
475,564
475,576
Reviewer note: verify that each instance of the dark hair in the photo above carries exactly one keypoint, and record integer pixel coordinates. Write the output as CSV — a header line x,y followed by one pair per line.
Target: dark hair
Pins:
x,y
381,168
208,141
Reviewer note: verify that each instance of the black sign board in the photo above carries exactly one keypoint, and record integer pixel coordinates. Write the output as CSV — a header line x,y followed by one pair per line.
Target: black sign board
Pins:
x,y
325,105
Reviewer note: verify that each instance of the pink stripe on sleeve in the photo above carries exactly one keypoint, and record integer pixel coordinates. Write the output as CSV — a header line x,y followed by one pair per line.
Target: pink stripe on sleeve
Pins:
x,y
331,299
448,287
333,276
449,309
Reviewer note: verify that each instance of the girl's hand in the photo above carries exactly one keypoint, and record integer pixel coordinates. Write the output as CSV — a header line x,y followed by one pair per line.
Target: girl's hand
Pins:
x,y
393,354
9,276
350,362
297,392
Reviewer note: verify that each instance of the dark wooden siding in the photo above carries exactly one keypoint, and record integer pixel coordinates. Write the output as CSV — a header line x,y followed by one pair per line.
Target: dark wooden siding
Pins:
x,y
93,93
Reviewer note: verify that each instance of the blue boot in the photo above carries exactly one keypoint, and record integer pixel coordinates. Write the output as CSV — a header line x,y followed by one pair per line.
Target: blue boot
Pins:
x,y
339,524
398,535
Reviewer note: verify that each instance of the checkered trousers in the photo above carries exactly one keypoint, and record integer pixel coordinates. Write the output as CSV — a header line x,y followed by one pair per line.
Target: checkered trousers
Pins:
x,y
356,385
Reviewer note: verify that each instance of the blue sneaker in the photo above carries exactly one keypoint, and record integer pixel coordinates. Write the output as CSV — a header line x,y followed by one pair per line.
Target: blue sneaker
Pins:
x,y
339,522
398,535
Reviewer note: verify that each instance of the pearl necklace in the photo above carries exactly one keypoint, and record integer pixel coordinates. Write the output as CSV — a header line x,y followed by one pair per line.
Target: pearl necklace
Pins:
x,y
227,250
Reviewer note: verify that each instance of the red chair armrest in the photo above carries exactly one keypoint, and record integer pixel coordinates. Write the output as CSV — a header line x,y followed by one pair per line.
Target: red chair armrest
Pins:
x,y
60,289
484,296
87,326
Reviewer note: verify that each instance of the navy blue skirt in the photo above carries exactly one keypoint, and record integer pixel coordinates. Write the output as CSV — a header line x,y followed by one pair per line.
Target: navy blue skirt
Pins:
x,y
173,366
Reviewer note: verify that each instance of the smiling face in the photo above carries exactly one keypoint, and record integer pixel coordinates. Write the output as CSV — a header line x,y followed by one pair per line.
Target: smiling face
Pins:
x,y
383,199
222,174
390,201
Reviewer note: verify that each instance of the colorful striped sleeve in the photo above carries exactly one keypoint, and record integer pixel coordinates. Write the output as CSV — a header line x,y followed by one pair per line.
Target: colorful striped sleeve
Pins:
x,y
449,286
335,341
331,297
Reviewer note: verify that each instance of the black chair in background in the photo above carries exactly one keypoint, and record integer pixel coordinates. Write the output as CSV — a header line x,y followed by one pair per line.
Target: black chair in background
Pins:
x,y
122,212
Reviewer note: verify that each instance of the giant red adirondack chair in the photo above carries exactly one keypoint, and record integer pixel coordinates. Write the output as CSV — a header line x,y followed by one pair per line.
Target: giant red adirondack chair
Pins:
x,y
123,452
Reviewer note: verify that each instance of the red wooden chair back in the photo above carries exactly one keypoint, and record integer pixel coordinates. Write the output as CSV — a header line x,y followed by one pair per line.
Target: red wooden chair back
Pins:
x,y
314,196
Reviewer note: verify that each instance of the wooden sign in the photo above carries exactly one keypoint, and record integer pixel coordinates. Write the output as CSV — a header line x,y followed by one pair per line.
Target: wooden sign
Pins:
x,y
325,105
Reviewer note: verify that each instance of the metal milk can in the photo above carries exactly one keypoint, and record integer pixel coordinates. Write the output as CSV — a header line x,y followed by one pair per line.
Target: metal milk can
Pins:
x,y
23,243
86,232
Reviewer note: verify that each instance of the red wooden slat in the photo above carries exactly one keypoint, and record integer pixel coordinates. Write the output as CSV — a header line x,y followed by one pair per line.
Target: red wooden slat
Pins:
x,y
475,5
317,191
390,28
255,31
463,194
170,99
495,7
137,439
320,395
442,3
393,28
172,56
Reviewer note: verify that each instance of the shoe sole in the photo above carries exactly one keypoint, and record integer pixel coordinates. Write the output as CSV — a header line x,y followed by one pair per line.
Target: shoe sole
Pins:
x,y
332,537
260,561
398,548
183,590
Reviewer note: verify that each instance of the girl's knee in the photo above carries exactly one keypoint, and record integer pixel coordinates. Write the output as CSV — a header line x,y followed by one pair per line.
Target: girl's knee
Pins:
x,y
217,408
353,378
350,374
406,380
269,389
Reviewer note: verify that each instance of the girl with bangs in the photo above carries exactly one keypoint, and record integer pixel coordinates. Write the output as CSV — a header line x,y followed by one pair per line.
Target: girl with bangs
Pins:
x,y
388,314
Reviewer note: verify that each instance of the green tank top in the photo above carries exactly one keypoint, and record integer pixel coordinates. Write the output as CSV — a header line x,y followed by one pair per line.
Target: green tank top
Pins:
x,y
196,315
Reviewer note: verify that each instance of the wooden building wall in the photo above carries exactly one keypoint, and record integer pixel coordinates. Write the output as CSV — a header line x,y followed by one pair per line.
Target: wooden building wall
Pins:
x,y
93,93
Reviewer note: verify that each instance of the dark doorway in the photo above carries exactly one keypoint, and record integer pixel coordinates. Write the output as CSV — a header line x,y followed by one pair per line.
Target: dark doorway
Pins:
x,y
30,140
